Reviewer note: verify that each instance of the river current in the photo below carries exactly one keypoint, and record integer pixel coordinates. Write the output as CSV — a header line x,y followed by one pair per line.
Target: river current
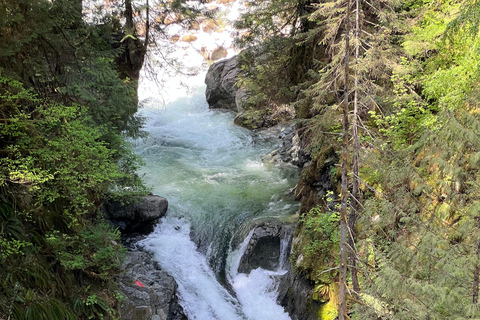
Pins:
x,y
217,186
212,173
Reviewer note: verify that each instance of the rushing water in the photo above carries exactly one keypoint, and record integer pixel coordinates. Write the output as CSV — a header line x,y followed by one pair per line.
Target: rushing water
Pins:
x,y
212,174
217,186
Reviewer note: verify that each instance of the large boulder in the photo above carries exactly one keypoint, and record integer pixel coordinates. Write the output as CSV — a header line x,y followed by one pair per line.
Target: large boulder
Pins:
x,y
221,84
265,249
139,217
149,293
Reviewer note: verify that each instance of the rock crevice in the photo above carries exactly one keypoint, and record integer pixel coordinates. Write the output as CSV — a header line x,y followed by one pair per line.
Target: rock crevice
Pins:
x,y
267,248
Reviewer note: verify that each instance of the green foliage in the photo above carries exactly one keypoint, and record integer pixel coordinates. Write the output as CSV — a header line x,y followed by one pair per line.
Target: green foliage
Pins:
x,y
59,155
43,280
411,114
66,103
320,243
68,59
417,78
422,221
267,84
282,50
467,20
90,251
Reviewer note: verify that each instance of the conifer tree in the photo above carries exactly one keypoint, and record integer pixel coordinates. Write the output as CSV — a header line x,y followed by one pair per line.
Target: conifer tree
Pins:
x,y
342,310
425,230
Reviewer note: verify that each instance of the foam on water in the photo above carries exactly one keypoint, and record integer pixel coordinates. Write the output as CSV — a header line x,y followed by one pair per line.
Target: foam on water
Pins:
x,y
256,291
212,175
201,296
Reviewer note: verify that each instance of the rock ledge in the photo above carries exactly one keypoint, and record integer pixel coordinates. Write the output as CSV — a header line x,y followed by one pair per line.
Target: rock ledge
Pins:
x,y
138,217
149,292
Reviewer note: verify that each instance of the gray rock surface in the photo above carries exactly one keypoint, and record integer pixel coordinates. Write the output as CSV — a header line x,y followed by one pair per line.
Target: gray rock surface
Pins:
x,y
154,296
264,249
241,99
136,217
294,294
221,81
290,150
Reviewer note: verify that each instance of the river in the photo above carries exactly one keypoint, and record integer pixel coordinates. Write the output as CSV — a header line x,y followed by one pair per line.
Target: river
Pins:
x,y
217,186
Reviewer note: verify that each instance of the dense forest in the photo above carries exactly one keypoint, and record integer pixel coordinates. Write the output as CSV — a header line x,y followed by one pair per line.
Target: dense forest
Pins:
x,y
386,100
67,102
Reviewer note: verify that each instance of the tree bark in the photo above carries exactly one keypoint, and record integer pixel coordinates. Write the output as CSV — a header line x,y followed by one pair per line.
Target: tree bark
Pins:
x,y
129,16
476,272
352,218
147,27
342,301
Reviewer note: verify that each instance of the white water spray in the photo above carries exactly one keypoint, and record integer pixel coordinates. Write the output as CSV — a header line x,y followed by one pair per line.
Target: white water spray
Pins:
x,y
212,175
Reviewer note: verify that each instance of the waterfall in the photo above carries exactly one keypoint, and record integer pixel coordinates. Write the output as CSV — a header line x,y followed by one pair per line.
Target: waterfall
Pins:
x,y
212,175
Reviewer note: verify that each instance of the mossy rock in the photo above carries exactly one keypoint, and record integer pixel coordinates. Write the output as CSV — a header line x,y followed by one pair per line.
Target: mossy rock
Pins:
x,y
329,310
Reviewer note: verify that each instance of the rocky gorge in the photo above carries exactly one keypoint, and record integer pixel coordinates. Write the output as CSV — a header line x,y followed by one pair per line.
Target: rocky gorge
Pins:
x,y
295,292
270,243
149,291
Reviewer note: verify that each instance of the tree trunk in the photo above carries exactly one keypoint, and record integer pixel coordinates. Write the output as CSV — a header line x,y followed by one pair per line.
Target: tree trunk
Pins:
x,y
476,272
129,16
352,218
342,299
147,26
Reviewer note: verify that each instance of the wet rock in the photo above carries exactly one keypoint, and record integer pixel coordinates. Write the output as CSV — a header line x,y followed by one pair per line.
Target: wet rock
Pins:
x,y
290,150
214,54
194,25
136,217
149,292
189,38
209,26
171,18
264,249
218,53
295,295
221,81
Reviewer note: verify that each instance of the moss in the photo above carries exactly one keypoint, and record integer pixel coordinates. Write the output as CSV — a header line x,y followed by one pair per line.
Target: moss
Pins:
x,y
250,119
328,310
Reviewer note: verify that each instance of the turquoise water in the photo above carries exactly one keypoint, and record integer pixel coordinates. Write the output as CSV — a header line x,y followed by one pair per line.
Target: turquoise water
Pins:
x,y
212,174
